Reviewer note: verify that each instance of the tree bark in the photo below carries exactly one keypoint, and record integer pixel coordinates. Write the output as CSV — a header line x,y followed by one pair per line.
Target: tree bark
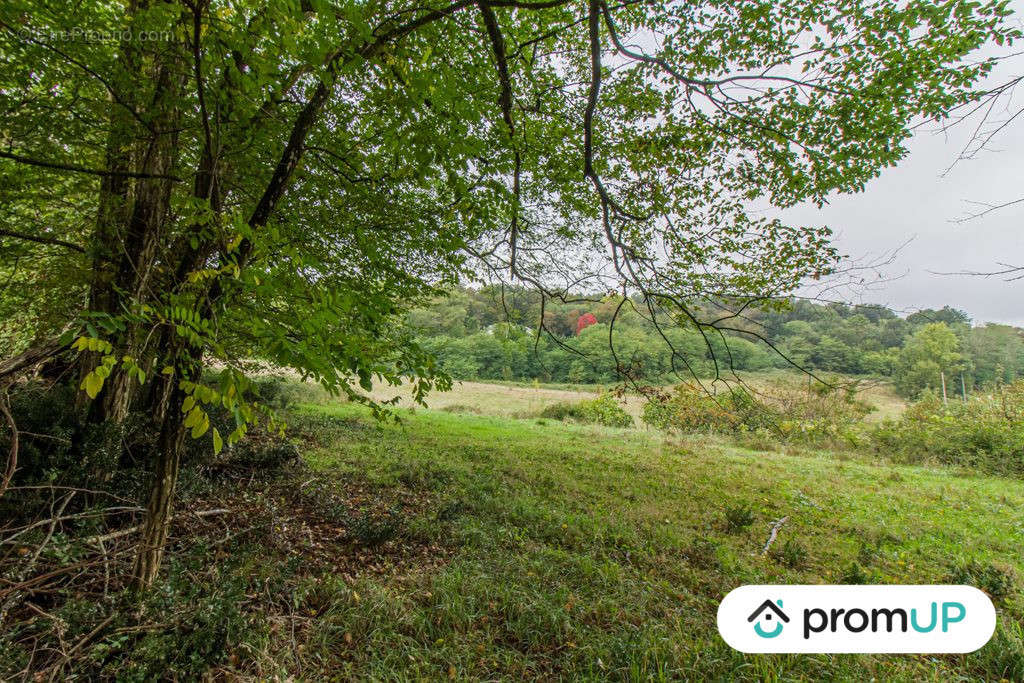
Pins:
x,y
132,217
159,506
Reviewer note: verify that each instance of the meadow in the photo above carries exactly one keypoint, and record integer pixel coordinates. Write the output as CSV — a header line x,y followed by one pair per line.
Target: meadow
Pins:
x,y
451,543
588,552
526,399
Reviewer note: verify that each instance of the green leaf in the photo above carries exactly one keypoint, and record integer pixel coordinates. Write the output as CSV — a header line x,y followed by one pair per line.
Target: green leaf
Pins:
x,y
194,417
200,428
92,384
218,443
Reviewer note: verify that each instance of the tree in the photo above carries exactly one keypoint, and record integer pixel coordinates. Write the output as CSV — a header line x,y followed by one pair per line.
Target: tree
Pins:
x,y
285,179
997,352
584,321
951,316
932,350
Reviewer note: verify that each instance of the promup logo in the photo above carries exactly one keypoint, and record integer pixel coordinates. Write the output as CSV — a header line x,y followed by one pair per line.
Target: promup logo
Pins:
x,y
919,619
765,613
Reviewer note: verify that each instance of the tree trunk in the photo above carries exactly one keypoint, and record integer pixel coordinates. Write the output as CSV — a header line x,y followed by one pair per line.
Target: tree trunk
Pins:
x,y
132,217
160,503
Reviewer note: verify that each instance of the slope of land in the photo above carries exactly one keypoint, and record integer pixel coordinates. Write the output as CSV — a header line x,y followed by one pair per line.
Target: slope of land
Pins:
x,y
575,551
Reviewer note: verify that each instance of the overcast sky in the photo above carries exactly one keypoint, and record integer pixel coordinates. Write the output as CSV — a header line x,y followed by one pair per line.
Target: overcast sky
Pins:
x,y
915,201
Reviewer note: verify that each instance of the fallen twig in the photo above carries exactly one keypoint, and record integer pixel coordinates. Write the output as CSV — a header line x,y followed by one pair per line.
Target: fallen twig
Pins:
x,y
13,596
81,515
92,634
131,530
12,457
776,525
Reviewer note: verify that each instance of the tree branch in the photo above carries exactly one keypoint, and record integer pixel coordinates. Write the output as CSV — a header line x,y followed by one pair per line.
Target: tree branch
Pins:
x,y
81,169
41,240
505,100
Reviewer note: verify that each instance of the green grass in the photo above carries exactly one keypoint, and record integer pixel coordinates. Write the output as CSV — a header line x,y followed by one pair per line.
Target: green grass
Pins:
x,y
569,551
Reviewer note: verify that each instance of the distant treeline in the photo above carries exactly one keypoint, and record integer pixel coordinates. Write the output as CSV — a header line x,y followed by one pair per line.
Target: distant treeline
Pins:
x,y
489,334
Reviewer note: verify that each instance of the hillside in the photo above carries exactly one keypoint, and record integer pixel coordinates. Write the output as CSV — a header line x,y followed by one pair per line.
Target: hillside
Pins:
x,y
581,551
454,544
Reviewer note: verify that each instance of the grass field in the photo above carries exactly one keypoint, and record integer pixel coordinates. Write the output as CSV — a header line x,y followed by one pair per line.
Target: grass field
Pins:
x,y
523,399
550,550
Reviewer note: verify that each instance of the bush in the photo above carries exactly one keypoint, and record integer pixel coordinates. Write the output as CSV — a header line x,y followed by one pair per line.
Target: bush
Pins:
x,y
817,415
738,518
689,409
281,393
603,410
563,410
57,446
199,638
986,433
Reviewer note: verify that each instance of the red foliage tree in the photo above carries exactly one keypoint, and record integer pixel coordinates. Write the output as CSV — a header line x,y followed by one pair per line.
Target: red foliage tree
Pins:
x,y
585,320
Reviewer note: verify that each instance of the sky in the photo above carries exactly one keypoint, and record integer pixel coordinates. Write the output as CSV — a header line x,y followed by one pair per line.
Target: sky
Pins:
x,y
917,204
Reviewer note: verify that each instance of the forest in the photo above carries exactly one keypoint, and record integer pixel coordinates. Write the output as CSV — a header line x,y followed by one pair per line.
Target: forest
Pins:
x,y
492,334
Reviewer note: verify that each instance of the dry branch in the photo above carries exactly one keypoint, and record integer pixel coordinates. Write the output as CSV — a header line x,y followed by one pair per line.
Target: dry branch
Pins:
x,y
131,530
776,526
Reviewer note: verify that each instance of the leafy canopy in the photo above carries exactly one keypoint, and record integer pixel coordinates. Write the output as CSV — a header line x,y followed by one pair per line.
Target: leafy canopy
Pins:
x,y
296,174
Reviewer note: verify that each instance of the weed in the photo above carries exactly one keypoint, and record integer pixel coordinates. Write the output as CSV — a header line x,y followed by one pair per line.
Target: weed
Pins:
x,y
372,530
854,574
703,553
997,582
792,554
738,518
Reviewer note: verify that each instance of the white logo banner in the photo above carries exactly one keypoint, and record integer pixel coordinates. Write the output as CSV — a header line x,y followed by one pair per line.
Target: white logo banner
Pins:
x,y
899,619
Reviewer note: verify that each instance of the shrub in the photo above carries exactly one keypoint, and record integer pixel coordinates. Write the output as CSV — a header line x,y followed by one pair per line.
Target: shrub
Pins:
x,y
563,410
738,518
57,446
603,410
199,638
985,433
815,415
281,393
689,409
273,454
